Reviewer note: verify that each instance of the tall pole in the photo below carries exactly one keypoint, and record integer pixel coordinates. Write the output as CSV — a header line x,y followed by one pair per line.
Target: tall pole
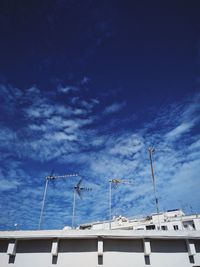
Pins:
x,y
52,177
73,211
110,203
151,151
43,202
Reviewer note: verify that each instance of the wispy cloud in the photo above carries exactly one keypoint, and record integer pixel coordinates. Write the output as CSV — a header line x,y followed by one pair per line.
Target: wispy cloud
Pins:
x,y
8,185
83,104
85,80
115,107
67,89
179,130
7,136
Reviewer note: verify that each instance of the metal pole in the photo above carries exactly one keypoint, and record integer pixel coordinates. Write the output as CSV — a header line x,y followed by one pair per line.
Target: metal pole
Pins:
x,y
151,150
43,202
51,177
110,203
73,211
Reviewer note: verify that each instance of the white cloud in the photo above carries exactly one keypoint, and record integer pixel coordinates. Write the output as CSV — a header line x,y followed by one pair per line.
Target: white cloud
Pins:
x,y
10,93
127,145
192,109
115,107
11,173
60,137
183,185
46,110
7,185
33,93
87,105
179,130
7,135
67,89
67,125
195,145
85,80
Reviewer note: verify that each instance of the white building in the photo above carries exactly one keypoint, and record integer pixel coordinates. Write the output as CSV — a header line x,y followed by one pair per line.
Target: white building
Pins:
x,y
177,244
170,220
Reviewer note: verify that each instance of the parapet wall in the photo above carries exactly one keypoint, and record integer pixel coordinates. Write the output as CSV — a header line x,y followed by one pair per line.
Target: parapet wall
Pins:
x,y
105,248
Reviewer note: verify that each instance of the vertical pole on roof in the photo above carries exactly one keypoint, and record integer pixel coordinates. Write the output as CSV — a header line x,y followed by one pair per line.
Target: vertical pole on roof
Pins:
x,y
78,189
73,211
110,203
151,151
43,202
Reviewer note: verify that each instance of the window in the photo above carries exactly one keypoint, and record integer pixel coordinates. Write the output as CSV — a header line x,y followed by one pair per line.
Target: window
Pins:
x,y
189,225
150,227
163,227
175,227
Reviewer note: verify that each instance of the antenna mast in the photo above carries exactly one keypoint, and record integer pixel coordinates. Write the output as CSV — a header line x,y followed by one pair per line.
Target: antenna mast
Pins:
x,y
151,150
115,181
77,189
48,178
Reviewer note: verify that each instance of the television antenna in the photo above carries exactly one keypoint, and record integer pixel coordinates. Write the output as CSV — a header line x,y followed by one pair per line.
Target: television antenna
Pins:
x,y
47,179
78,189
151,150
115,182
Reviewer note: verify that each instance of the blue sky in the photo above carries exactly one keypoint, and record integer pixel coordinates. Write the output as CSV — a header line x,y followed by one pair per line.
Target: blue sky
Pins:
x,y
86,88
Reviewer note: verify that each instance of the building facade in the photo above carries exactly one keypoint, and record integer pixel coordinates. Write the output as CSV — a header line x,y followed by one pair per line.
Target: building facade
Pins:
x,y
170,220
110,248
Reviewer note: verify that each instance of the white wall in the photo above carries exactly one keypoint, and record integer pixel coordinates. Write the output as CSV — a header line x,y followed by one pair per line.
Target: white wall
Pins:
x,y
84,253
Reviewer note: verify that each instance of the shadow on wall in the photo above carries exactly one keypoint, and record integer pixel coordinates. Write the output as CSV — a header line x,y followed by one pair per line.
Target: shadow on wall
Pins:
x,y
3,246
168,246
86,245
123,245
34,246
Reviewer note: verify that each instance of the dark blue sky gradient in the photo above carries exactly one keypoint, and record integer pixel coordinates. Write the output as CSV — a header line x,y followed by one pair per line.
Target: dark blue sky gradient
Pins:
x,y
142,44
